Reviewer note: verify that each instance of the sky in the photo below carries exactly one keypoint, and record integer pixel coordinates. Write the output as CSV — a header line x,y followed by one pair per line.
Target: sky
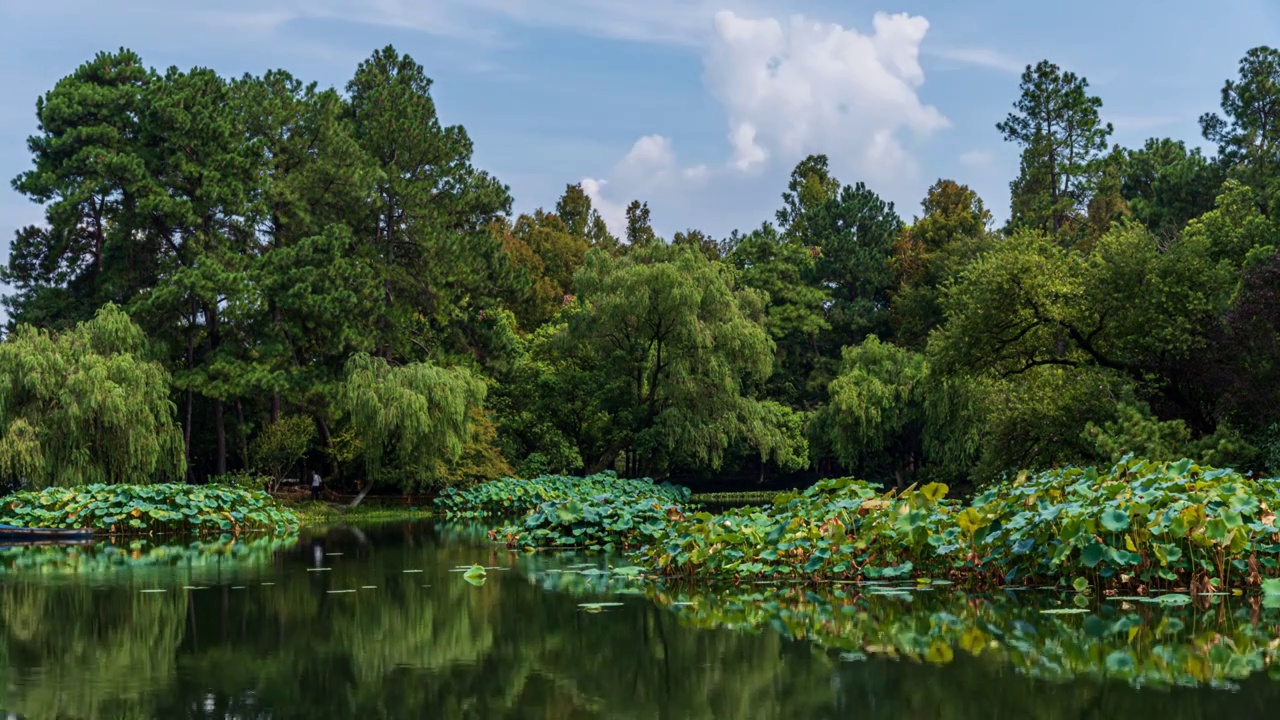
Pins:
x,y
701,108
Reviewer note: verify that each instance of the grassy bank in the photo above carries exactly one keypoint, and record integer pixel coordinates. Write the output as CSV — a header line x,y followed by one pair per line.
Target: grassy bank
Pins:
x,y
319,514
749,497
1138,526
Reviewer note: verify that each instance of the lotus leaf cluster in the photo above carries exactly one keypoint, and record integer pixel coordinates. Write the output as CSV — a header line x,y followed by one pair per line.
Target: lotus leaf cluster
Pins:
x,y
511,497
840,528
146,509
605,522
1141,523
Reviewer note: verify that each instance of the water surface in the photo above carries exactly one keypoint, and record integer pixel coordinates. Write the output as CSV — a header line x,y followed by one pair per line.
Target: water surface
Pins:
x,y
380,623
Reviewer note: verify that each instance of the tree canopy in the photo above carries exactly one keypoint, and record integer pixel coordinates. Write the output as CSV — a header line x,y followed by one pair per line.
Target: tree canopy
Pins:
x,y
252,273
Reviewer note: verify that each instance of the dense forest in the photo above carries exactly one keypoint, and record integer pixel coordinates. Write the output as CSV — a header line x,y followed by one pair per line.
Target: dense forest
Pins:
x,y
235,274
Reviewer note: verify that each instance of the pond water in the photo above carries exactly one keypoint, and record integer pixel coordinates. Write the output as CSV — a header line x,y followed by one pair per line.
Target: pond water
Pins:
x,y
380,622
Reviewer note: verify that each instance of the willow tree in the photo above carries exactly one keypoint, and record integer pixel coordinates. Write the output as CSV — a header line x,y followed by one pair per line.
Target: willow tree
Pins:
x,y
677,354
410,419
85,406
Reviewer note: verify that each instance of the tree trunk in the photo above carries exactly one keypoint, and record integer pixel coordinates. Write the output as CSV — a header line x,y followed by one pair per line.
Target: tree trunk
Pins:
x,y
275,396
327,437
363,492
191,359
244,436
220,429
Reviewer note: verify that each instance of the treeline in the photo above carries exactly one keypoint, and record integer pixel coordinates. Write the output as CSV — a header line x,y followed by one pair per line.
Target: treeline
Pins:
x,y
327,275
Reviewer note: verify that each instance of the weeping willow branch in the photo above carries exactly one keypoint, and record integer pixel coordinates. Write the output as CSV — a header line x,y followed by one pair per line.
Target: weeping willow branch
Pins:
x,y
84,406
409,418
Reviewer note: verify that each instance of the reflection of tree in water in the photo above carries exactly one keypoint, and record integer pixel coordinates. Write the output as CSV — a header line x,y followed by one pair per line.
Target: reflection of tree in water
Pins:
x,y
117,642
511,649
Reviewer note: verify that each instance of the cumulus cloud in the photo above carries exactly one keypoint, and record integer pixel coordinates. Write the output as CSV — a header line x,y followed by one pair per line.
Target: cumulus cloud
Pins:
x,y
801,86
791,88
612,212
650,168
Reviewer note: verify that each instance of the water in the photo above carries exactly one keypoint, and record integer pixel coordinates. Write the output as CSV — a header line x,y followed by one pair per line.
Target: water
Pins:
x,y
376,623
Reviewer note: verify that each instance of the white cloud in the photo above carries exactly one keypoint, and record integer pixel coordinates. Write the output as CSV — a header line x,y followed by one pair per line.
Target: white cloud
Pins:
x,y
697,172
981,57
613,213
649,169
650,155
975,159
803,86
789,89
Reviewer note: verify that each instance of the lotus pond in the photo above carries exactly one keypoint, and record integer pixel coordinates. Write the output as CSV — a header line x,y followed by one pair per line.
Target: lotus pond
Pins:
x,y
436,620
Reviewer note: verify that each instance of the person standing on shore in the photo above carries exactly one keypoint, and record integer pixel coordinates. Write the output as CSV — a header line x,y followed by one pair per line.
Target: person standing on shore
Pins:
x,y
315,485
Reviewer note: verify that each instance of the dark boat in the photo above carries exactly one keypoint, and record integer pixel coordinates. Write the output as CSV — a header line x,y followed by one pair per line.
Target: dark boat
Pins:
x,y
9,532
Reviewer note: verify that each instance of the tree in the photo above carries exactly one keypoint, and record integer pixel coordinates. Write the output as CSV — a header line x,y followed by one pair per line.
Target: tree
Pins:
x,y
410,418
780,266
639,231
582,220
1056,123
675,348
427,226
852,231
877,408
281,444
855,232
91,173
546,255
700,241
1166,185
1248,138
86,405
929,252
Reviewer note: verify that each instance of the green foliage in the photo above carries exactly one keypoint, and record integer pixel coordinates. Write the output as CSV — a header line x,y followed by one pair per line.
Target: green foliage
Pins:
x,y
607,522
835,529
280,445
147,509
877,407
245,480
664,348
514,498
1136,432
85,406
138,556
1139,524
412,417
1166,185
750,496
1248,138
1056,123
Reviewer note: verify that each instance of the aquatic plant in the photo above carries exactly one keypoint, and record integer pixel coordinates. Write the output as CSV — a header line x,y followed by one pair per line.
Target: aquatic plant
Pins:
x,y
511,497
840,528
605,522
145,509
1139,525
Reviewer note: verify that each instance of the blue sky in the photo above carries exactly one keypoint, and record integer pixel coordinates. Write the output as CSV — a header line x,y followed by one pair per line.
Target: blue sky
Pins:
x,y
674,101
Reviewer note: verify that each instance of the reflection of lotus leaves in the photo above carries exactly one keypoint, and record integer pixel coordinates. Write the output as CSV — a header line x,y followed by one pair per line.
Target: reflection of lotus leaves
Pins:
x,y
139,554
1161,643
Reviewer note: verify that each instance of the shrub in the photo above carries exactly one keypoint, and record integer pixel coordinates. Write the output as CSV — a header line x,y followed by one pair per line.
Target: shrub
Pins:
x,y
280,445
